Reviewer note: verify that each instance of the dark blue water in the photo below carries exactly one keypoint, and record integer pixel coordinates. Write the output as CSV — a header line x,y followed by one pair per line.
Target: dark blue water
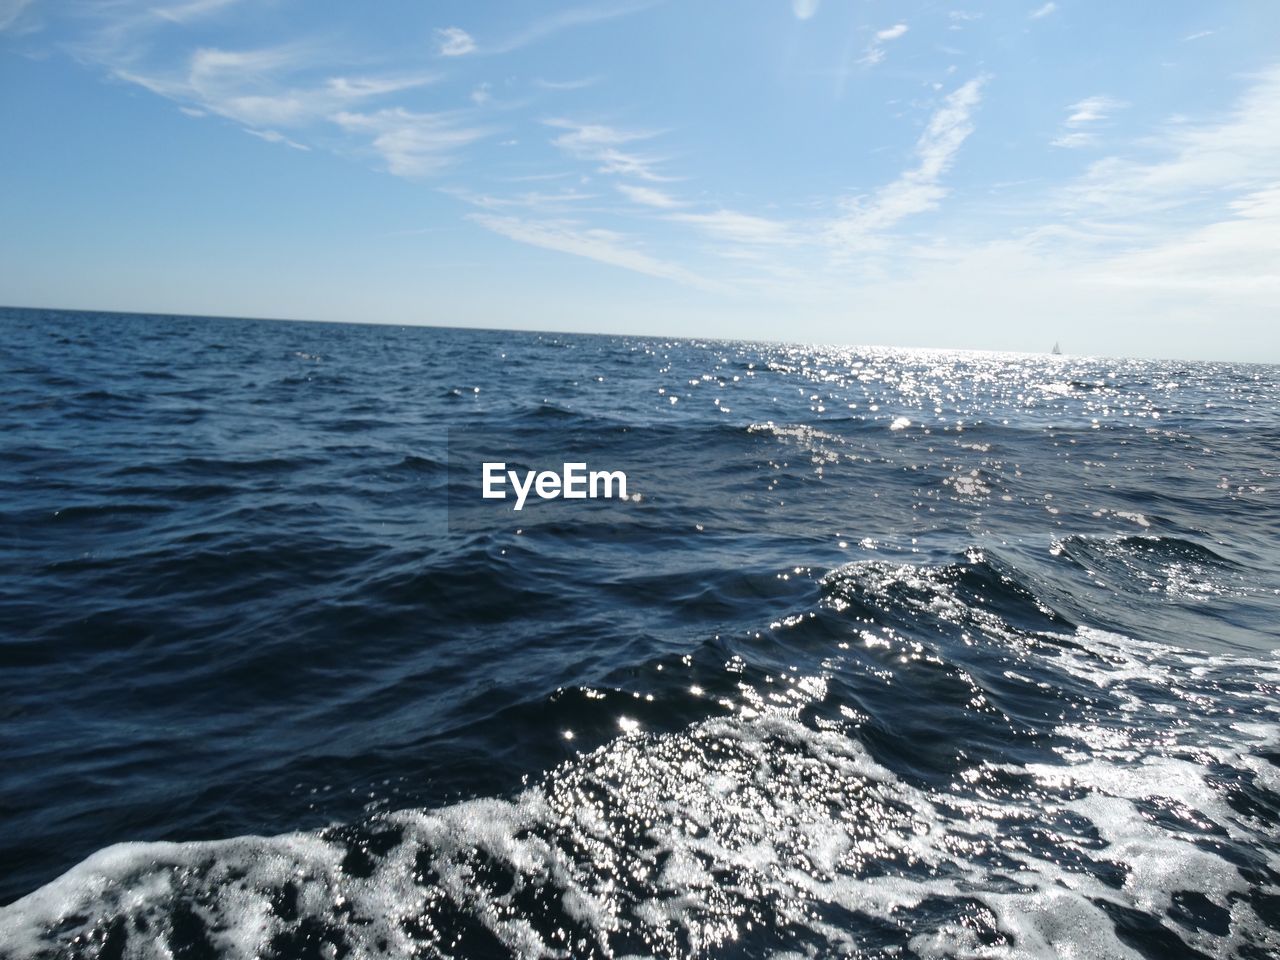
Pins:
x,y
888,653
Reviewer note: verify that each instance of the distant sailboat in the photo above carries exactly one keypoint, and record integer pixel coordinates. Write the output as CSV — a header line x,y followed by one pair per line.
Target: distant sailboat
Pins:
x,y
1057,350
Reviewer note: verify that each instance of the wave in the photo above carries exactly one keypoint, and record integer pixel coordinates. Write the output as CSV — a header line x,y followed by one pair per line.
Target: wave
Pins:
x,y
1095,796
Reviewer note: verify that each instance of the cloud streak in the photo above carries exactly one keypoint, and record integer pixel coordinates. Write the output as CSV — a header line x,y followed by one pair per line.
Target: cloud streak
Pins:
x,y
603,246
568,19
10,11
604,146
649,197
740,228
580,84
1235,155
193,10
257,87
1079,129
459,42
283,94
411,144
919,189
875,50
454,42
275,136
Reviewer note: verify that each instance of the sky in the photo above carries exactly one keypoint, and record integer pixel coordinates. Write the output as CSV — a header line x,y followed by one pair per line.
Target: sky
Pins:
x,y
995,175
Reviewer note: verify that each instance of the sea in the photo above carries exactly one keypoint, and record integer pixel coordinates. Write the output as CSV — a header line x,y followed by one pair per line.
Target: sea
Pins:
x,y
886,653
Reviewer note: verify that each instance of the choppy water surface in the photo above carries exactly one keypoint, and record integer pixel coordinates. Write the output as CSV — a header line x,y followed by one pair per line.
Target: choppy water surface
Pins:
x,y
898,653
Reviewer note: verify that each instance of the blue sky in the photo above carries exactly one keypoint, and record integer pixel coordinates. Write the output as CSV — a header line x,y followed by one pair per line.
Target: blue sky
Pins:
x,y
998,175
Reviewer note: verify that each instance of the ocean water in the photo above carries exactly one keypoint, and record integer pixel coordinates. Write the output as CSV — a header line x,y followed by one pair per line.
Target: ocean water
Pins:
x,y
887,654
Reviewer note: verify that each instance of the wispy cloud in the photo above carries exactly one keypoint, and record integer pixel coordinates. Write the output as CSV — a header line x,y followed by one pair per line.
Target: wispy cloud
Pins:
x,y
281,94
257,87
863,224
1233,255
875,50
580,84
604,246
1196,221
804,9
1091,110
10,11
1198,35
192,10
275,136
454,42
919,189
545,28
1235,155
1044,11
537,177
739,228
539,200
411,144
649,197
567,19
241,85
1079,129
358,88
604,145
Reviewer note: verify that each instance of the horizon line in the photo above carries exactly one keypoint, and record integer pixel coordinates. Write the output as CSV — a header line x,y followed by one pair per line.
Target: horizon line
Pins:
x,y
647,336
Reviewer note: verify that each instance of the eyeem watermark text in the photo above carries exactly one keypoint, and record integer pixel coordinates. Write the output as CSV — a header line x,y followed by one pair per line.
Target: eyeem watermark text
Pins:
x,y
575,482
